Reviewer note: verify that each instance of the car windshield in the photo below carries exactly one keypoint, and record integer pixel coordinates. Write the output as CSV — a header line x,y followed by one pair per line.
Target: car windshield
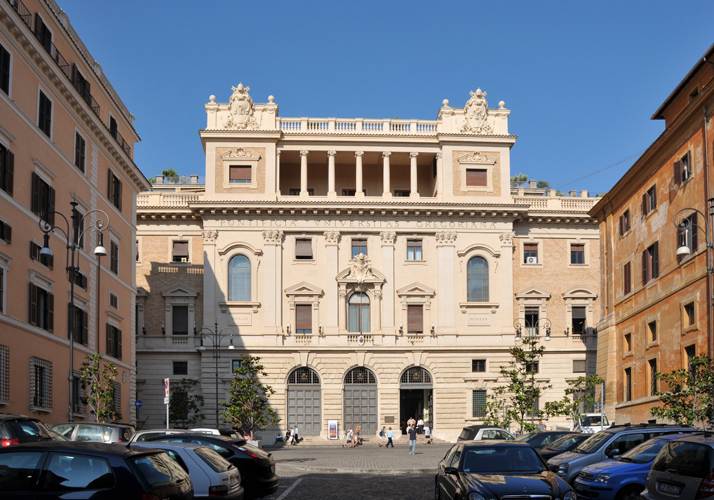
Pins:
x,y
590,420
562,443
465,434
527,437
24,429
213,459
645,452
593,443
501,460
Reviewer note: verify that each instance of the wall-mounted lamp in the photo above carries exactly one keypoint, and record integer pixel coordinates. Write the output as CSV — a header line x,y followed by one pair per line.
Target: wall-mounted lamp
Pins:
x,y
163,330
547,333
143,328
288,328
432,328
401,328
518,333
567,331
231,346
319,330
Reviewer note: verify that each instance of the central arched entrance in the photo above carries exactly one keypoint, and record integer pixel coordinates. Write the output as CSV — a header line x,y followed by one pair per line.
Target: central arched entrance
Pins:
x,y
361,400
416,397
304,403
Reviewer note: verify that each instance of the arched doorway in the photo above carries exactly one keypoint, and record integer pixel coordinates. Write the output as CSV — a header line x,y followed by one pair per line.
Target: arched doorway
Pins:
x,y
416,397
304,402
360,405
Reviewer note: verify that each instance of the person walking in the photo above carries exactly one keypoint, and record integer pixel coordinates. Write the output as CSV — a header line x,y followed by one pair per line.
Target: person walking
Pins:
x,y
382,436
357,440
349,439
390,436
410,422
420,425
427,435
412,439
297,435
292,436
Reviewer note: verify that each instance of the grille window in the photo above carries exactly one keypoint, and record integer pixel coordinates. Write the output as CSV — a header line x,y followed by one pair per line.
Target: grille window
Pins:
x,y
180,367
304,375
478,365
40,382
416,376
653,376
479,404
360,375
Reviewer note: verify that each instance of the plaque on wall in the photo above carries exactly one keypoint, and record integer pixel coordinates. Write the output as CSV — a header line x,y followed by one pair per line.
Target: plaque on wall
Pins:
x,y
388,420
479,319
241,319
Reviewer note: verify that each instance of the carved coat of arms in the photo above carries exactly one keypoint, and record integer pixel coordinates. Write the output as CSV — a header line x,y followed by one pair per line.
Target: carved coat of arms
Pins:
x,y
476,114
360,269
240,109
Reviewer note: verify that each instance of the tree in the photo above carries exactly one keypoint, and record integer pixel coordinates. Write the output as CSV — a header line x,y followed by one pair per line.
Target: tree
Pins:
x,y
543,185
185,407
248,409
579,397
99,378
518,179
689,398
169,172
517,401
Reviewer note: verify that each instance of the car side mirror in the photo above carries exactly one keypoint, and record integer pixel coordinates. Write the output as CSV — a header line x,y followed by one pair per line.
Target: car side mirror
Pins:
x,y
453,471
613,453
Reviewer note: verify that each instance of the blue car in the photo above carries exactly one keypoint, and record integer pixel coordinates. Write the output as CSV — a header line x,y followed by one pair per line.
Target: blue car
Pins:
x,y
623,478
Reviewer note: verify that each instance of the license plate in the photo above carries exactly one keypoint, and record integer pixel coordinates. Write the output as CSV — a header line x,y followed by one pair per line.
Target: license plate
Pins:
x,y
668,488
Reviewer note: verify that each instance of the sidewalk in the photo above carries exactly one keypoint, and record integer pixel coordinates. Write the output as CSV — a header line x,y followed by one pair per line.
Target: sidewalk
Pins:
x,y
360,460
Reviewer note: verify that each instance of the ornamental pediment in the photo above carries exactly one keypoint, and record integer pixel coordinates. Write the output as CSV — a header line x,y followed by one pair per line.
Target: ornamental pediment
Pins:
x,y
477,158
580,292
416,289
533,292
360,271
303,288
240,154
180,291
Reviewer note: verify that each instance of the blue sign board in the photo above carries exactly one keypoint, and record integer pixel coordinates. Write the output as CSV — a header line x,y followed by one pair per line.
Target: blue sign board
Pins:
x,y
138,403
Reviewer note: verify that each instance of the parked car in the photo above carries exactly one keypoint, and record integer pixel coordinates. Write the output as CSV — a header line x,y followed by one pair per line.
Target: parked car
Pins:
x,y
481,432
497,469
20,429
539,439
608,444
590,423
683,470
256,466
104,433
623,478
561,445
216,432
145,435
211,474
54,470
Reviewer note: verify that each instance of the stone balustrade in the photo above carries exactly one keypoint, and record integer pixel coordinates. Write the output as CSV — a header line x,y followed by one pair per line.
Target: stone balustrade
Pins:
x,y
357,126
158,199
556,203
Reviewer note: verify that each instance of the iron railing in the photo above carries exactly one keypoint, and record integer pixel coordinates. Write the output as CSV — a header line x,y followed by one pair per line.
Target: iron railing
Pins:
x,y
22,11
120,140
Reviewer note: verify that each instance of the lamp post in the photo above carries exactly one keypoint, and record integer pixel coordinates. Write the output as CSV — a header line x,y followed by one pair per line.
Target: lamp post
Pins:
x,y
216,339
74,233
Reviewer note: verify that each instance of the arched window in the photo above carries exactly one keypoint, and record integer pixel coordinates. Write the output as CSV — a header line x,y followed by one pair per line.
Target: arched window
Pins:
x,y
477,280
239,279
303,375
416,375
359,313
360,375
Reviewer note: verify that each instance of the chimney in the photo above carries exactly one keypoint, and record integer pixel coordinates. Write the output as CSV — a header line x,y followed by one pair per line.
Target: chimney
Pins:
x,y
159,179
584,193
194,179
533,184
573,193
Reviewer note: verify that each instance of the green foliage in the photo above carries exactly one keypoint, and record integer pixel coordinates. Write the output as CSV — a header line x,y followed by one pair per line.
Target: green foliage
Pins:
x,y
522,390
152,180
579,397
689,398
559,193
98,378
543,185
185,407
518,180
169,172
248,409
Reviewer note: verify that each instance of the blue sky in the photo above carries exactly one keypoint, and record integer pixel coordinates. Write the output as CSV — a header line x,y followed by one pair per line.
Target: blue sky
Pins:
x,y
582,78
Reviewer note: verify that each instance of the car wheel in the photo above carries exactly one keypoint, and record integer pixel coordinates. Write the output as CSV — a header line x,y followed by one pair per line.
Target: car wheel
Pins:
x,y
630,493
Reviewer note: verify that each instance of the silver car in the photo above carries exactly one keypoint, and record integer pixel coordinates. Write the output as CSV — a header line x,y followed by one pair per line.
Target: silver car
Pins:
x,y
211,474
145,435
103,433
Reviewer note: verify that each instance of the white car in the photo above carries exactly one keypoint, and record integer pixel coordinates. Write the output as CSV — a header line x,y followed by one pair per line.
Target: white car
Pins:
x,y
484,432
211,474
214,432
141,436
589,423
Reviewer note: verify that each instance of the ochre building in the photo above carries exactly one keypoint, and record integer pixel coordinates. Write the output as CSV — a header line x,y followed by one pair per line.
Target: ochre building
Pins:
x,y
380,268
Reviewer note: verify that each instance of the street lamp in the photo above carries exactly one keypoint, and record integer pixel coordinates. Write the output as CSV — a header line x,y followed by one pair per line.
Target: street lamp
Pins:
x,y
216,339
72,265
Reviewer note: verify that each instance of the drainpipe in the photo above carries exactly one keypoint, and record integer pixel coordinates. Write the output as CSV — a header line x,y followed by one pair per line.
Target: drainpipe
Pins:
x,y
710,269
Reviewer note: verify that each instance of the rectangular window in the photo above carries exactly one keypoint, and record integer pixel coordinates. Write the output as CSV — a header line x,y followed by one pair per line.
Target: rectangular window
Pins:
x,y
349,192
578,320
627,277
114,344
240,174
625,222
43,199
4,70
652,368
77,394
649,200
579,366
5,232
652,331
2,291
114,189
402,193
116,396
628,342
179,251
114,257
82,85
77,229
80,328
577,254
7,169
296,191
180,368
530,253
43,33
303,249
650,263
113,301
80,280
4,373
415,318
414,250
113,127
179,320
303,318
478,365
359,247
42,308
476,177
688,234
45,260
479,404
628,384
689,317
532,315
41,382
690,352
532,367
44,115
683,169
80,151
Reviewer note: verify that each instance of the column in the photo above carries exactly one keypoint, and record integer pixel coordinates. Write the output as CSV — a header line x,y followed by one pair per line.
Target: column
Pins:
x,y
331,193
332,240
209,277
358,171
386,178
277,172
303,174
445,254
388,239
440,175
413,175
506,269
273,272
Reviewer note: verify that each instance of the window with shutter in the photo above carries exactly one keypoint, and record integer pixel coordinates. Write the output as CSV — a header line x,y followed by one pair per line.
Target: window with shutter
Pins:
x,y
7,169
43,33
303,318
5,232
579,365
650,263
179,320
649,200
80,151
180,251
415,318
627,278
685,168
2,290
114,257
77,228
476,177
577,254
113,127
44,115
240,174
303,249
628,384
4,70
41,308
43,199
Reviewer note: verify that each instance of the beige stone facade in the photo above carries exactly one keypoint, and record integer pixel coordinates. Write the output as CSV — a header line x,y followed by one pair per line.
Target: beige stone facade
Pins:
x,y
344,259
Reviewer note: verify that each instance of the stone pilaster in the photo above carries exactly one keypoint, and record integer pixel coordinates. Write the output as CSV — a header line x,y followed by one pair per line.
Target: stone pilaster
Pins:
x,y
209,277
507,282
272,291
388,239
332,240
446,257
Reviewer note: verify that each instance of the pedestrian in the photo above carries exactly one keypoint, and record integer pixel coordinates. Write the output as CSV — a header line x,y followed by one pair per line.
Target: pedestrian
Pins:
x,y
412,439
382,436
349,439
410,422
297,435
542,426
390,436
292,436
357,440
427,435
420,425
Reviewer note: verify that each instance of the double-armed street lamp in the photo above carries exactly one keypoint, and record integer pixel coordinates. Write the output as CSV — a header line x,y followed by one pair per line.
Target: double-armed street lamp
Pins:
x,y
216,337
74,234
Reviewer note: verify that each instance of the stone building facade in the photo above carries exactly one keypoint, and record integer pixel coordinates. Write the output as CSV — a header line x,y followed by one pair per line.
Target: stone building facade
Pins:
x,y
379,268
656,307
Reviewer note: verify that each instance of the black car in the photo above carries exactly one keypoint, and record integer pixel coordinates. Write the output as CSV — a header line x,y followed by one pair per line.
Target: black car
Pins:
x,y
20,429
539,439
79,470
561,445
256,466
497,469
